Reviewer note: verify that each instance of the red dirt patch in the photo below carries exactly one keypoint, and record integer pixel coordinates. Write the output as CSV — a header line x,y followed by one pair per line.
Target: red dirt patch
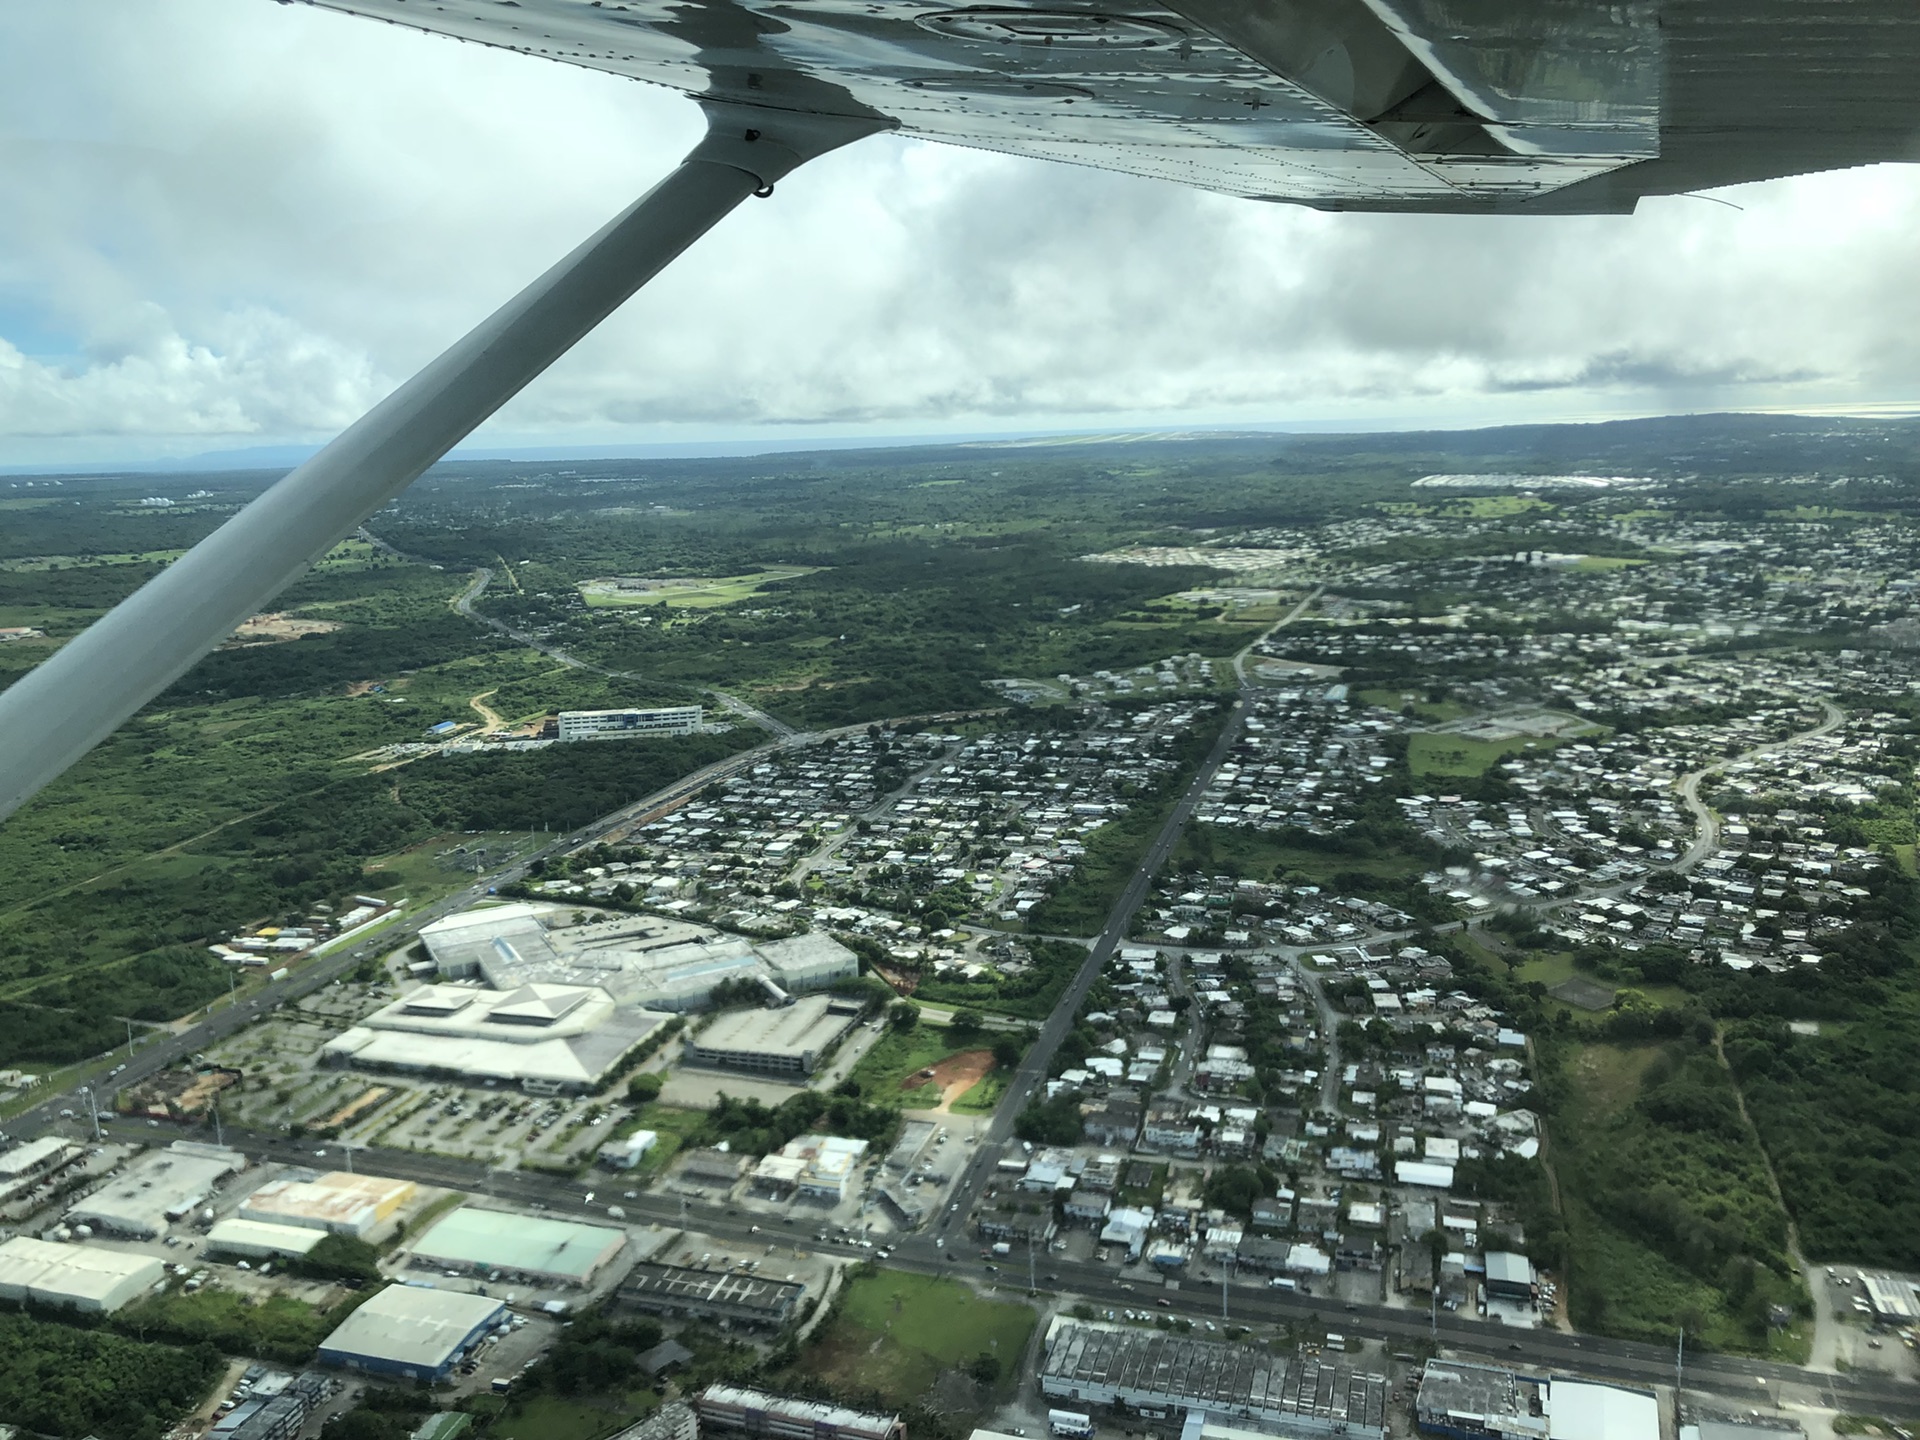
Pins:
x,y
953,1076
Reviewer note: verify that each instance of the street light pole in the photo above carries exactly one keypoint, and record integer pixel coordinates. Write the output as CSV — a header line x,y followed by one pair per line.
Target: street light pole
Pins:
x,y
93,1111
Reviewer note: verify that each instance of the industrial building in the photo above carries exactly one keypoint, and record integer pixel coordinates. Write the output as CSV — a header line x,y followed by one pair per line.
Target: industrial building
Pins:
x,y
624,724
89,1278
787,1042
1484,1402
411,1332
729,1410
1509,1276
158,1188
711,1295
25,1166
275,1410
533,1249
1890,1298
543,1038
625,1154
343,1204
258,1240
1156,1374
641,961
819,1167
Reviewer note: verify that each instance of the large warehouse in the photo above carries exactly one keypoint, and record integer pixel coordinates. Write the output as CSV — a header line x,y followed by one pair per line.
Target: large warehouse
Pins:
x,y
711,1295
344,1204
258,1240
543,1038
525,1248
1484,1402
158,1188
411,1332
727,1409
642,961
80,1277
1158,1373
787,1041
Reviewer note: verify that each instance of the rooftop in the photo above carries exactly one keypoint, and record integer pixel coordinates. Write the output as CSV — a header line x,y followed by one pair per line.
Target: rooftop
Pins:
x,y
498,1240
412,1325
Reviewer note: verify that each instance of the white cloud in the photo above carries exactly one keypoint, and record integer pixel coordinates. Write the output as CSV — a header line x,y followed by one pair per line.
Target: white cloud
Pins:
x,y
233,219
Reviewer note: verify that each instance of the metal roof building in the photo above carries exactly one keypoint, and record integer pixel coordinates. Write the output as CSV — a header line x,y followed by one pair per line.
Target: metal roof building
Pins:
x,y
1156,1373
729,1409
711,1294
494,1242
258,1240
1484,1402
344,1204
411,1332
640,960
787,1040
157,1188
79,1277
539,1036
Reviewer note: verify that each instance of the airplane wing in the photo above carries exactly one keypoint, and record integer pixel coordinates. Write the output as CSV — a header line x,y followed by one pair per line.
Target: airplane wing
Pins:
x,y
1489,106
1547,106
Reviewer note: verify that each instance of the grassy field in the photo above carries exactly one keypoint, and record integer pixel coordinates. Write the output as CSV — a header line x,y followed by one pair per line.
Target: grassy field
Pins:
x,y
897,1335
897,1055
1248,854
1666,1201
1433,712
984,1097
671,1123
703,593
1429,754
559,1417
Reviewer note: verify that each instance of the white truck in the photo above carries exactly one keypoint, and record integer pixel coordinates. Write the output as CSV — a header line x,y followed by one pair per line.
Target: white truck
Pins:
x,y
1069,1422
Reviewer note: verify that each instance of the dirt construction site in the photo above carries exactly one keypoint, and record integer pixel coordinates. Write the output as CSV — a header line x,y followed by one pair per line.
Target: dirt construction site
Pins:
x,y
949,1080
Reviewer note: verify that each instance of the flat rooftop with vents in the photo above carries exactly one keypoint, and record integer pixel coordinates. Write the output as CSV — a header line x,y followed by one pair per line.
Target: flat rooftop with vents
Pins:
x,y
711,1294
495,1242
788,1040
1166,1371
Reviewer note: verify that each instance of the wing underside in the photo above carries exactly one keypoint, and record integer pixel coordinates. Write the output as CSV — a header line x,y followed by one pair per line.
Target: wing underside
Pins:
x,y
1461,105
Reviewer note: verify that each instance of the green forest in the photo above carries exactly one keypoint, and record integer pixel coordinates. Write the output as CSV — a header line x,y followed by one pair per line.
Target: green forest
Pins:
x,y
59,1380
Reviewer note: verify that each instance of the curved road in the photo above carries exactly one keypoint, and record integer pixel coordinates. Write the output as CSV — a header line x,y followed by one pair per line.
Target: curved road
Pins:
x,y
1707,822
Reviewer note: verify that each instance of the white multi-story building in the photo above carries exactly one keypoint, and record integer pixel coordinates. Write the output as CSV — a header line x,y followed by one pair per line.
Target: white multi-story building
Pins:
x,y
620,724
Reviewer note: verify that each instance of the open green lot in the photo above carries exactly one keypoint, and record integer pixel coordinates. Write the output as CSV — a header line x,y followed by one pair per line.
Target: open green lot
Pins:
x,y
1431,754
563,1417
1669,1215
896,1335
1433,711
897,1056
673,1124
691,593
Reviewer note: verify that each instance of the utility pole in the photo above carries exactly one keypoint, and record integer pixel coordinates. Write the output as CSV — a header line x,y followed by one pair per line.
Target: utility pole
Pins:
x,y
1679,1373
129,1039
219,1130
1032,1284
93,1111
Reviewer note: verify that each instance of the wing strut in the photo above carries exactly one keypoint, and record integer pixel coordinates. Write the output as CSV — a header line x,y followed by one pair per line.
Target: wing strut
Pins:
x,y
59,711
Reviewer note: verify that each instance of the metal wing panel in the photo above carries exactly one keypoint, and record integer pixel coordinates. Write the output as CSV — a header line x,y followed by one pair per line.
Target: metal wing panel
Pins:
x,y
1465,105
1147,89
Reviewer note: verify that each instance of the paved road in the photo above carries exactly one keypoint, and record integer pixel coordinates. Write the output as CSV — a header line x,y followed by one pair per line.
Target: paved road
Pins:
x,y
1705,822
1099,1284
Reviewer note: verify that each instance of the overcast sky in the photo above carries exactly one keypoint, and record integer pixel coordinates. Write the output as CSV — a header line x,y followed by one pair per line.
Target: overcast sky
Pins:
x,y
230,223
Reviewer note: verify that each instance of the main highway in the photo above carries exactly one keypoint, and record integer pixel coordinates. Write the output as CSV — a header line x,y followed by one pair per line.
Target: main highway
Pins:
x,y
949,1250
